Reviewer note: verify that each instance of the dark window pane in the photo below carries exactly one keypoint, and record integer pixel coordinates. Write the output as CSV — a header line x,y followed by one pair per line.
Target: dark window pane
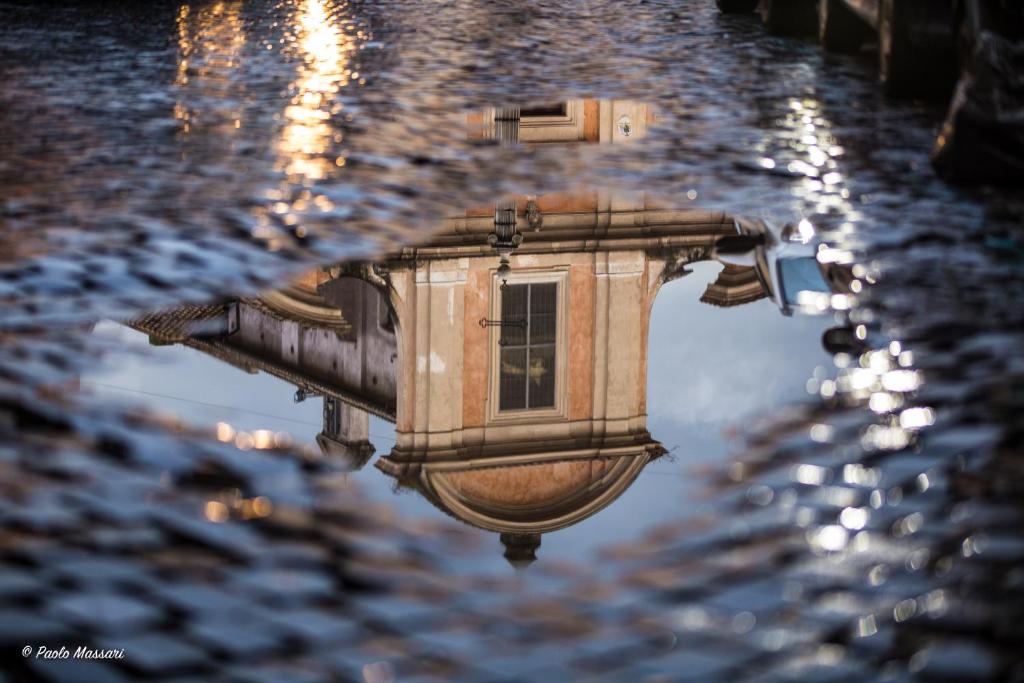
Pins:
x,y
542,377
542,313
556,109
512,383
513,310
527,375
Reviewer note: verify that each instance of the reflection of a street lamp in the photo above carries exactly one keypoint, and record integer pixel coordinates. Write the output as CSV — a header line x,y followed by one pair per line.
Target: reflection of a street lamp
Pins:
x,y
308,134
505,238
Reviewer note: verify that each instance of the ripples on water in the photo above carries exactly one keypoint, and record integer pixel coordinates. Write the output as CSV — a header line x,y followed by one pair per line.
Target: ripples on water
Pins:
x,y
204,153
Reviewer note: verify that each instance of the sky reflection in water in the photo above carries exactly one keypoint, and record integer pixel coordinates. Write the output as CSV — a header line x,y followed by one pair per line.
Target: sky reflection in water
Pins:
x,y
711,371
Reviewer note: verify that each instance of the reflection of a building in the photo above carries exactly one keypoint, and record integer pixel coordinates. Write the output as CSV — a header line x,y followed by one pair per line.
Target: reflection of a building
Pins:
x,y
589,121
538,420
523,373
331,338
522,427
518,391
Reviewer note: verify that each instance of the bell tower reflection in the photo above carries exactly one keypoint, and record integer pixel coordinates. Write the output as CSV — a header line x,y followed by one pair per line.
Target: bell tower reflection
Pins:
x,y
539,421
520,428
510,349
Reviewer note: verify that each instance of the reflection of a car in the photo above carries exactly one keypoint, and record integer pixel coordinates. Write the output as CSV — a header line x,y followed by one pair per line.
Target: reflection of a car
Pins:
x,y
787,263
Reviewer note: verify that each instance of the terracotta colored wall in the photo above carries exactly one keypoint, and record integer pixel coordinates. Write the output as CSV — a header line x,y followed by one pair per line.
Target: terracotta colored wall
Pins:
x,y
310,279
475,126
480,211
567,202
591,120
556,202
581,342
532,485
474,352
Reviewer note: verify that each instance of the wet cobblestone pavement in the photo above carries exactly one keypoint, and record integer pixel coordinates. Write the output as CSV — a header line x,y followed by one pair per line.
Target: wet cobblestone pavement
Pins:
x,y
164,154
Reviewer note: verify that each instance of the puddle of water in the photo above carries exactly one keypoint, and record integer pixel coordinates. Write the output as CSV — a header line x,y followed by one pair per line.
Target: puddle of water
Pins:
x,y
562,387
707,484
